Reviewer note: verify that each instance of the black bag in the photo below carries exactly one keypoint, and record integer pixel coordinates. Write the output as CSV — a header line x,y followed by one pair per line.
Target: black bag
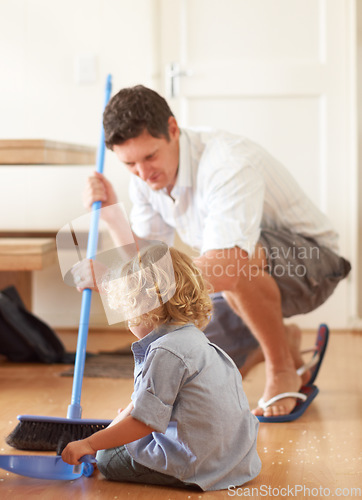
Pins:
x,y
24,337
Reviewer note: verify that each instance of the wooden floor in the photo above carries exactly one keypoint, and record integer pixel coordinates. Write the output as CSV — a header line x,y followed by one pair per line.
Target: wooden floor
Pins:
x,y
315,455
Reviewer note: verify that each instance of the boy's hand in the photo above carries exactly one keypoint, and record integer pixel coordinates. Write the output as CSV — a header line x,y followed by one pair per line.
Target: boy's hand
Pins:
x,y
75,450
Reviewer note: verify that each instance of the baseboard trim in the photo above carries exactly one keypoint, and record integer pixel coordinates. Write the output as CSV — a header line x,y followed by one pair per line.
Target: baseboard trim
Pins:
x,y
93,330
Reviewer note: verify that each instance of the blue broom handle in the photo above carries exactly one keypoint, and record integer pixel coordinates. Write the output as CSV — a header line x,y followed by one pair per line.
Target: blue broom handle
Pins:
x,y
75,409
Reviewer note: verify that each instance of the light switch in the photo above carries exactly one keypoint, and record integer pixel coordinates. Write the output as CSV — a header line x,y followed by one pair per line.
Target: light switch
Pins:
x,y
85,68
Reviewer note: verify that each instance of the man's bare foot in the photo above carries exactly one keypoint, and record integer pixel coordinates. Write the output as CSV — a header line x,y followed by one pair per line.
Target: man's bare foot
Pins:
x,y
294,336
277,383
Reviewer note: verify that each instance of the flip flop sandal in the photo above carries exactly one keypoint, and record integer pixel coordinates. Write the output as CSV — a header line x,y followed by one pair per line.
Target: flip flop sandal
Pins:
x,y
318,353
304,398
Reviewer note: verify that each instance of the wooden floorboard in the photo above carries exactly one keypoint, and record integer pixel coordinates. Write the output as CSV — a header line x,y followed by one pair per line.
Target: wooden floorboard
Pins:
x,y
320,452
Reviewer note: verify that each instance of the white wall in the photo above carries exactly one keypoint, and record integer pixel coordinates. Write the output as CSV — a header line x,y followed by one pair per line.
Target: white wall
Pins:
x,y
40,41
358,180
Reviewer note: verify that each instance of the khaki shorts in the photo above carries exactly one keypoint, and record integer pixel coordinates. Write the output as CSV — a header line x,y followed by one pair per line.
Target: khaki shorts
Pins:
x,y
305,272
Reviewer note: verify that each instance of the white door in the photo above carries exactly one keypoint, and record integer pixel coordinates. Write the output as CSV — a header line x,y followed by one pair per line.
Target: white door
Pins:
x,y
275,71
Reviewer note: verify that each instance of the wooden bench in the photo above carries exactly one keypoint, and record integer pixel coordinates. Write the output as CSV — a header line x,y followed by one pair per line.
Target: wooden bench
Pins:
x,y
25,248
44,152
19,257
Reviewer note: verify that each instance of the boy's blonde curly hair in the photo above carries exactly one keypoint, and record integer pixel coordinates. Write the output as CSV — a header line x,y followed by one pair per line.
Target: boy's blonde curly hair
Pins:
x,y
171,289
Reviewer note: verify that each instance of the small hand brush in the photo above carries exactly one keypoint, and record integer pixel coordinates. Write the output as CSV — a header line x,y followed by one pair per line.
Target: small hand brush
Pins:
x,y
46,433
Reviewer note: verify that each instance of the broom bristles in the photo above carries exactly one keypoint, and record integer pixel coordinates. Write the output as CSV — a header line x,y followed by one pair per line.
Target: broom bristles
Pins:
x,y
52,434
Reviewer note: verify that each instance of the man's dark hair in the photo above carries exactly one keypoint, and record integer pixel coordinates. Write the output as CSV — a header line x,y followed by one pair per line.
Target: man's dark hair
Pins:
x,y
132,111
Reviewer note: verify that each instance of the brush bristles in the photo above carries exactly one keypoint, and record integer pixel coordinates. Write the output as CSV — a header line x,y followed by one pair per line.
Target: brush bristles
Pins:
x,y
49,436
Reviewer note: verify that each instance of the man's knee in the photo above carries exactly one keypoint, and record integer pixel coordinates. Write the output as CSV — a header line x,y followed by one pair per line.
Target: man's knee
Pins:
x,y
255,267
227,269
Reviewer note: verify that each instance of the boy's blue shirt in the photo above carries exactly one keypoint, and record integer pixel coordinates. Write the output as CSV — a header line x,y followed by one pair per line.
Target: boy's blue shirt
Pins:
x,y
190,392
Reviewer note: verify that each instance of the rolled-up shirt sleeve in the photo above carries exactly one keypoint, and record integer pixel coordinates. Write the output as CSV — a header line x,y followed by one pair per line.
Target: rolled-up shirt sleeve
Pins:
x,y
157,387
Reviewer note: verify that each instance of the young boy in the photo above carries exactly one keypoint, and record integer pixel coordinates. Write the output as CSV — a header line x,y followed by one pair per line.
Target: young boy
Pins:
x,y
189,422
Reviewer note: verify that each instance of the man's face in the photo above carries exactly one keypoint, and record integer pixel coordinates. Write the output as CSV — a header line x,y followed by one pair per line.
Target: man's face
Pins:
x,y
154,160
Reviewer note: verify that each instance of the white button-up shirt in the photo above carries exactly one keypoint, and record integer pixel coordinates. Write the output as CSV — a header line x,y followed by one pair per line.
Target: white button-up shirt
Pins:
x,y
227,189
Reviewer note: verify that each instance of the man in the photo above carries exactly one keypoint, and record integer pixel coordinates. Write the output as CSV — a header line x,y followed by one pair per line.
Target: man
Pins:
x,y
262,242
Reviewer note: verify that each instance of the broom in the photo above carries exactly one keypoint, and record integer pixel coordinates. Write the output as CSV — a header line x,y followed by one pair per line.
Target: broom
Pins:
x,y
53,433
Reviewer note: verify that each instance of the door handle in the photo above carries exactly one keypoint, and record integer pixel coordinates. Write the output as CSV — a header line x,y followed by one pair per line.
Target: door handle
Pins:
x,y
173,75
